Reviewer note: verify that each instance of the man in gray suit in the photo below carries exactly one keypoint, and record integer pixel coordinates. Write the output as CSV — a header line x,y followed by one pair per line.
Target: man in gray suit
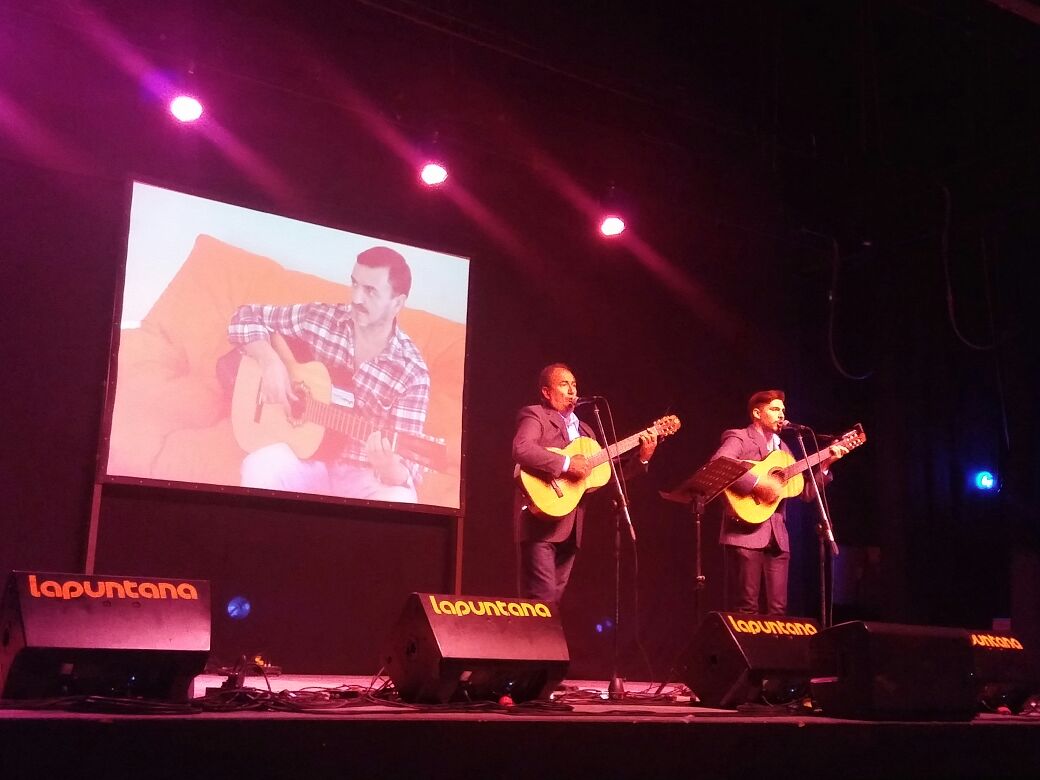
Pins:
x,y
549,545
761,551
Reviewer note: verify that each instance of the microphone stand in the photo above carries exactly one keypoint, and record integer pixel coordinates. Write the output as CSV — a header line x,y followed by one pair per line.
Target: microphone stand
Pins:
x,y
824,533
616,687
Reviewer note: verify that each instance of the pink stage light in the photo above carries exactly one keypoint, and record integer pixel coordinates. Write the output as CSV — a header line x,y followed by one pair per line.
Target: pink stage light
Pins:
x,y
612,226
186,109
433,174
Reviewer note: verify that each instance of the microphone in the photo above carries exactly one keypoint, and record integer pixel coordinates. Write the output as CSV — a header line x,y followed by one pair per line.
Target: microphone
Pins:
x,y
589,399
787,425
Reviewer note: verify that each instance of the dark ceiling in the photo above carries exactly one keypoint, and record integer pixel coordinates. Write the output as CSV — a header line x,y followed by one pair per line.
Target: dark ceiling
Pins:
x,y
770,116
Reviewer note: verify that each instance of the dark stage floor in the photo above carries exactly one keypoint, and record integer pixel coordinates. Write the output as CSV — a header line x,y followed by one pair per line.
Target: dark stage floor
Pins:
x,y
272,734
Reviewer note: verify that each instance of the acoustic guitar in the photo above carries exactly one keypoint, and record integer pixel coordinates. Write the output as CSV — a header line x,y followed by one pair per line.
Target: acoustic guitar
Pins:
x,y
558,497
257,424
788,472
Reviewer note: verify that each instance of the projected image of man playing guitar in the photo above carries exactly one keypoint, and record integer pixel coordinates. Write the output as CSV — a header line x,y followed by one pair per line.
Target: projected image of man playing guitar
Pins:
x,y
363,378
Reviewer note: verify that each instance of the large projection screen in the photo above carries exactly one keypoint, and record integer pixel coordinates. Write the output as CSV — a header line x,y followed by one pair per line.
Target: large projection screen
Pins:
x,y
256,352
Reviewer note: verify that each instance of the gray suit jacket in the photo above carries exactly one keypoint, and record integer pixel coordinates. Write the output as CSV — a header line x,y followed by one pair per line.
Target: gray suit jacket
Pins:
x,y
538,427
749,444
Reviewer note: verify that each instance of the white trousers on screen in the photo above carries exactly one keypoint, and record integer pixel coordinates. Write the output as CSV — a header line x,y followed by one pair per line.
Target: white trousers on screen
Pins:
x,y
276,467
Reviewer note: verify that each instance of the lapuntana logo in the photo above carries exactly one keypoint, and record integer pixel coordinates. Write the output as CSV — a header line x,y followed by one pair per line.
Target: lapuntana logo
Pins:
x,y
498,608
110,589
996,642
779,627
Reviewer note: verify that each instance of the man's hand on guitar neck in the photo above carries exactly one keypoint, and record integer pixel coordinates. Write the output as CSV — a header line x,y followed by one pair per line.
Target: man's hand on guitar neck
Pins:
x,y
837,452
385,462
578,467
647,444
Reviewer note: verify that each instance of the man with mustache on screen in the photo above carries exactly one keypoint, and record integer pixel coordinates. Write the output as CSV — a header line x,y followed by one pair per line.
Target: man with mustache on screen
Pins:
x,y
378,374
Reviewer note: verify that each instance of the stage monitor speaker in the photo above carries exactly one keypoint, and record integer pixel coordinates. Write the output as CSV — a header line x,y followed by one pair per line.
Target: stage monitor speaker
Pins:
x,y
1007,673
737,658
464,648
873,671
100,635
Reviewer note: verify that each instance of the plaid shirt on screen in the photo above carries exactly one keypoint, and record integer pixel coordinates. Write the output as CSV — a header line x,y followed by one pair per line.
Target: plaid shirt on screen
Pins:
x,y
392,389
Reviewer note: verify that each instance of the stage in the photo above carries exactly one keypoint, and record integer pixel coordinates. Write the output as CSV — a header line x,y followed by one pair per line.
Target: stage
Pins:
x,y
308,726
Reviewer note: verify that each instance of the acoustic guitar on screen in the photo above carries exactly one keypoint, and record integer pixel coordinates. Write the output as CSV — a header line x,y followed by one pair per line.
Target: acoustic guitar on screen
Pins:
x,y
788,473
558,497
257,424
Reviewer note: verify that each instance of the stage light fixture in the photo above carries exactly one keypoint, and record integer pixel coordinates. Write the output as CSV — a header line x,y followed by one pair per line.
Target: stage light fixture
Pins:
x,y
430,159
433,174
185,108
238,608
985,481
611,225
614,212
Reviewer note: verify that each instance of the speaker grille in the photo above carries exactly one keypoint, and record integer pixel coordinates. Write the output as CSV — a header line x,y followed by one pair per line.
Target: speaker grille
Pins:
x,y
460,648
891,671
73,634
738,659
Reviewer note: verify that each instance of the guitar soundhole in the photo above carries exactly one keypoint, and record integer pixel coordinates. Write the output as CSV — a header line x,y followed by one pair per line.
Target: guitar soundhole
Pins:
x,y
299,406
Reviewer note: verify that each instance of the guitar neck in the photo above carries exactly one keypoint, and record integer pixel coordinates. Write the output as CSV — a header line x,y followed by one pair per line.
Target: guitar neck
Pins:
x,y
429,452
806,463
339,419
614,451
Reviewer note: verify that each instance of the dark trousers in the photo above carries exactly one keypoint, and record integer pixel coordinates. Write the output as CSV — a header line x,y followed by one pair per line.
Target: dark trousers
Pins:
x,y
545,568
747,569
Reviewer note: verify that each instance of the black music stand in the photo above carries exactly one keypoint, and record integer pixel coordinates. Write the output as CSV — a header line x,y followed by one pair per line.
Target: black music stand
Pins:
x,y
697,490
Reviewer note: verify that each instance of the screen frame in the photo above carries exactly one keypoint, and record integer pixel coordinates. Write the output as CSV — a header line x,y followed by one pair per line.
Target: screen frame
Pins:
x,y
102,477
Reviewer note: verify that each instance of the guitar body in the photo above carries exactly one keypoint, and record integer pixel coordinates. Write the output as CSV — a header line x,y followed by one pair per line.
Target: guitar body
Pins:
x,y
559,497
256,424
259,425
750,509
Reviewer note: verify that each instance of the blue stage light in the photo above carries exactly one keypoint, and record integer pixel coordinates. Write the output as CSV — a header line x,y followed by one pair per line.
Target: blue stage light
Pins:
x,y
985,480
238,608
